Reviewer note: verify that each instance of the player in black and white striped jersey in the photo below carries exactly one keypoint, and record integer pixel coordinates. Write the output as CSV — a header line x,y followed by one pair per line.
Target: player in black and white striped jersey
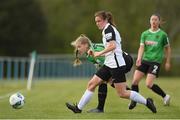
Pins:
x,y
114,66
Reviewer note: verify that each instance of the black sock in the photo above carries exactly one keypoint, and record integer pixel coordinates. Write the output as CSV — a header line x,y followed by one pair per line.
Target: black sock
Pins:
x,y
158,90
135,88
102,93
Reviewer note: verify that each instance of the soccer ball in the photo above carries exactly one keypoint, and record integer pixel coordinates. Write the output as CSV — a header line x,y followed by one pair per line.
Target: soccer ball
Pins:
x,y
16,100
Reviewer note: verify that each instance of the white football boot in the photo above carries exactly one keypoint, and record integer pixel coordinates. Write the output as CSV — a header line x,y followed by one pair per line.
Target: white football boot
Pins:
x,y
167,100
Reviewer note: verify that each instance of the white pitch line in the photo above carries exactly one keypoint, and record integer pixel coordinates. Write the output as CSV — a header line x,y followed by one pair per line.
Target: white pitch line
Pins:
x,y
5,96
8,94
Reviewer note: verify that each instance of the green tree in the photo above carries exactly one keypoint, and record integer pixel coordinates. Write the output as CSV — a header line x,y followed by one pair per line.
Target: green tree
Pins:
x,y
22,27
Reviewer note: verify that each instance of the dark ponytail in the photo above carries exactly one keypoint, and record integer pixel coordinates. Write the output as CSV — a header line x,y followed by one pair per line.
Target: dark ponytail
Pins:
x,y
105,16
110,18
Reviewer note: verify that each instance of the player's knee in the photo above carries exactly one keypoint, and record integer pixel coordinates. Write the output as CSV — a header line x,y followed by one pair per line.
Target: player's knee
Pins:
x,y
90,83
122,95
91,86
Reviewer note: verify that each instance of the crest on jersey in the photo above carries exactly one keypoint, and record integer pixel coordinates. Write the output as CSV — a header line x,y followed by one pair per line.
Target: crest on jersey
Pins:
x,y
108,36
157,36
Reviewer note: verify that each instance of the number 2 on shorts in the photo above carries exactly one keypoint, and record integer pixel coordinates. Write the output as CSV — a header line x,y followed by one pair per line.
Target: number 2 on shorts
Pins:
x,y
155,69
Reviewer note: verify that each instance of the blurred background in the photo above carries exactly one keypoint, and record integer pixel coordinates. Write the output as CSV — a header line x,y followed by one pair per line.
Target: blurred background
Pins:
x,y
48,27
35,53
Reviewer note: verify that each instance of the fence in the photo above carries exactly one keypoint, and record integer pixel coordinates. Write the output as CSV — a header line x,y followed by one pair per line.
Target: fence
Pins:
x,y
14,67
58,66
55,66
46,66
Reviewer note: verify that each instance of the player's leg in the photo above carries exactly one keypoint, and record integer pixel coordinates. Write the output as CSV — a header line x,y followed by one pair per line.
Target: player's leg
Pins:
x,y
119,80
155,88
134,96
102,93
127,88
105,75
138,75
95,81
102,74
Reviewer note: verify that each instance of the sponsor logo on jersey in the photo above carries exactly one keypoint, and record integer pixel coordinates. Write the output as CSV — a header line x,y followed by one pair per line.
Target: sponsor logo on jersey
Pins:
x,y
152,43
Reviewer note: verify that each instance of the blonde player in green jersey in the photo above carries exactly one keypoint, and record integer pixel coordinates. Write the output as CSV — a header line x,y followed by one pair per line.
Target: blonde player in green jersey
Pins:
x,y
153,43
82,45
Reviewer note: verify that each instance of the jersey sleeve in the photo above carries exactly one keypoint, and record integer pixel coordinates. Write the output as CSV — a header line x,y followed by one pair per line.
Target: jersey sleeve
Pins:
x,y
109,34
142,39
165,40
91,59
96,47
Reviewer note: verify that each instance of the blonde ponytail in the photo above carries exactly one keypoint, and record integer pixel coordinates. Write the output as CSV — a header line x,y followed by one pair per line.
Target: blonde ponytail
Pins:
x,y
77,61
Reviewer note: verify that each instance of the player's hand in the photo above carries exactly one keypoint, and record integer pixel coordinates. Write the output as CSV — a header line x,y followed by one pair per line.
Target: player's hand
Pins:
x,y
138,62
90,52
97,54
97,66
167,66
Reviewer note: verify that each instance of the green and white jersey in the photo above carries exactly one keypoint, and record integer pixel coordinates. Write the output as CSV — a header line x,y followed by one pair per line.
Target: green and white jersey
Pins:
x,y
154,43
96,47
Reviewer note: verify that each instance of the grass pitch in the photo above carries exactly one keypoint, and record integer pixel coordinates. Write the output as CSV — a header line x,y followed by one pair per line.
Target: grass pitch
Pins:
x,y
47,100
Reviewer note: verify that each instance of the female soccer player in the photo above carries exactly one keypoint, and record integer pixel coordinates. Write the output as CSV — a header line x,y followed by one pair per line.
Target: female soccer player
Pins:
x,y
150,56
114,66
82,45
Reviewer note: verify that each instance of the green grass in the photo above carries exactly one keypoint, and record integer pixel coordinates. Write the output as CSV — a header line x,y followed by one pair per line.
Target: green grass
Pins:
x,y
47,101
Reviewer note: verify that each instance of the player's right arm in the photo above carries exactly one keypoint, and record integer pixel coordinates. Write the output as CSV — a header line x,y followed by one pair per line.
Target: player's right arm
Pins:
x,y
140,54
140,51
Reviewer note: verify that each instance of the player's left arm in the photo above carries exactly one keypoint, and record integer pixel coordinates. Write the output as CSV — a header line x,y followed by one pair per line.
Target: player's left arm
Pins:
x,y
111,45
110,41
168,58
167,54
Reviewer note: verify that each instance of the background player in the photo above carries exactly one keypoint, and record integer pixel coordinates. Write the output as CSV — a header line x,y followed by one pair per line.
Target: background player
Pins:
x,y
150,56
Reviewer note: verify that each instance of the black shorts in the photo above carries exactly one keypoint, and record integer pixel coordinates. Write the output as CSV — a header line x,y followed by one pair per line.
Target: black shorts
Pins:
x,y
117,74
149,67
128,60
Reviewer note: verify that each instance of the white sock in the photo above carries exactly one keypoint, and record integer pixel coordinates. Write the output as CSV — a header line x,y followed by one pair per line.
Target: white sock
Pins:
x,y
85,99
137,97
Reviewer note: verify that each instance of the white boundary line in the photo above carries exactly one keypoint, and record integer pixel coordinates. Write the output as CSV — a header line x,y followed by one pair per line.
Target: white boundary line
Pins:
x,y
8,94
5,96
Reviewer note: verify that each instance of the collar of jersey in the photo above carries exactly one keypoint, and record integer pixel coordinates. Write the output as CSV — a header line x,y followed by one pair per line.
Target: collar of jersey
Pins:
x,y
154,31
105,27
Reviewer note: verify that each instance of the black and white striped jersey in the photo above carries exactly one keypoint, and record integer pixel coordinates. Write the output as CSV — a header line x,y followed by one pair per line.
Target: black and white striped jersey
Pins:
x,y
113,59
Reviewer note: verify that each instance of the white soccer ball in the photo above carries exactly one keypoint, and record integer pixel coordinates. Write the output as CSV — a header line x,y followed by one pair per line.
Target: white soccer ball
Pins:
x,y
16,100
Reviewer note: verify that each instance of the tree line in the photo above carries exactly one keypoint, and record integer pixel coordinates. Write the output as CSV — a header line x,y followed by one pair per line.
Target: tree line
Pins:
x,y
48,26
